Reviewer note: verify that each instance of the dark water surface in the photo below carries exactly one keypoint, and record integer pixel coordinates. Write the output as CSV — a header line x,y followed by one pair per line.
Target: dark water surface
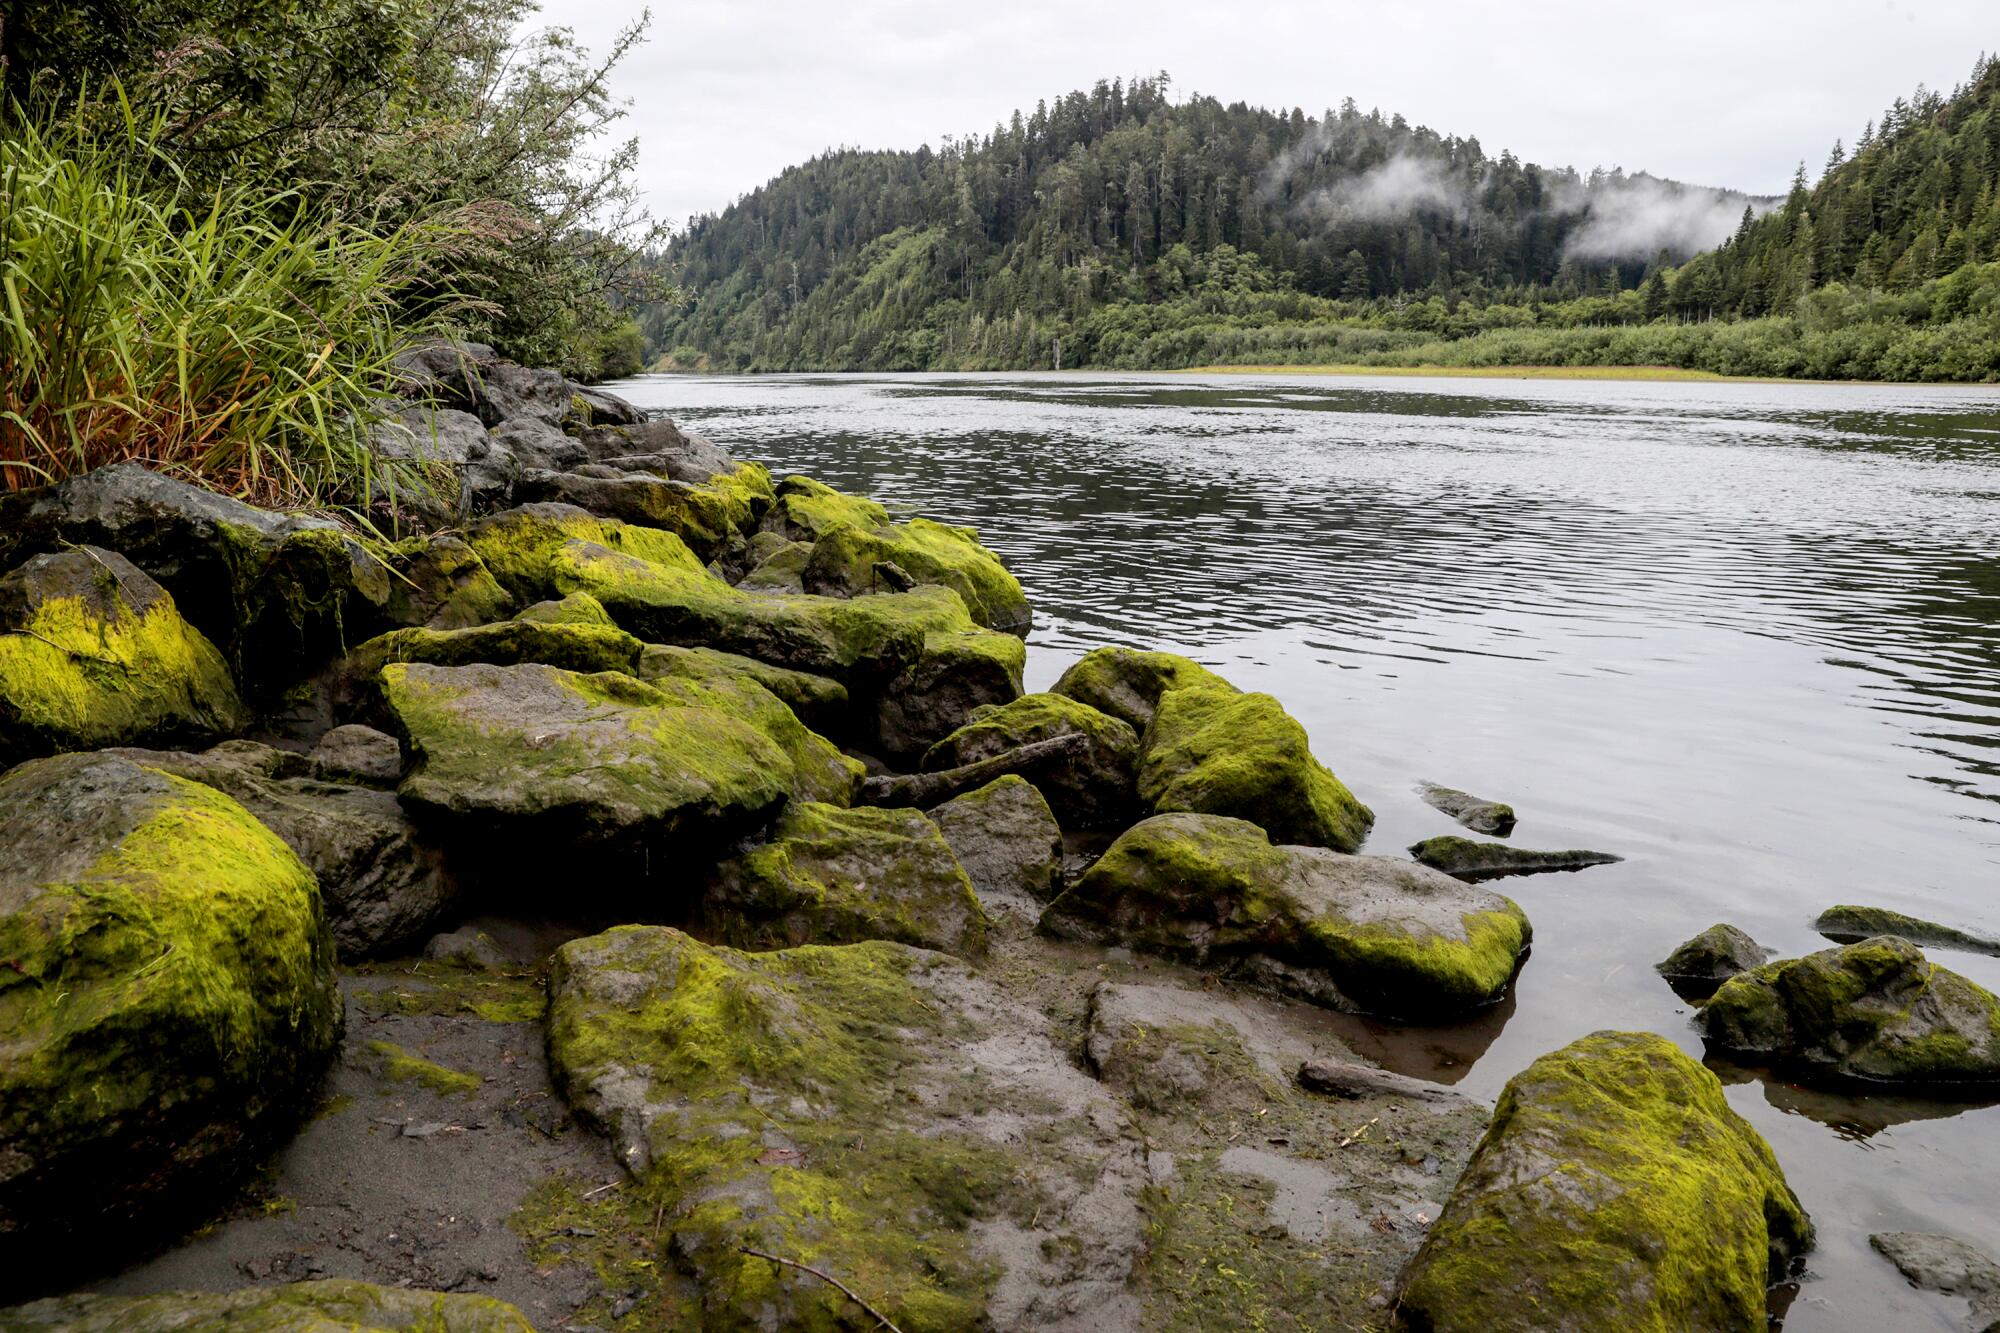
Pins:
x,y
1747,636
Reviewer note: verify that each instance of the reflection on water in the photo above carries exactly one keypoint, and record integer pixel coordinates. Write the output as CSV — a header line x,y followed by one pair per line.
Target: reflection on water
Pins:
x,y
1852,1115
1743,635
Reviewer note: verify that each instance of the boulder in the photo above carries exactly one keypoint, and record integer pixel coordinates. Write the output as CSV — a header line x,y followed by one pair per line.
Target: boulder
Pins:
x,y
848,561
820,703
526,444
749,690
1093,790
938,693
331,1306
1947,1266
1615,1188
1475,812
168,1000
657,446
1469,858
441,447
599,408
1873,1012
1701,964
835,876
782,570
472,377
358,754
1369,934
441,584
572,646
913,1131
1006,838
94,653
807,510
1127,683
381,884
1215,751
707,516
1849,925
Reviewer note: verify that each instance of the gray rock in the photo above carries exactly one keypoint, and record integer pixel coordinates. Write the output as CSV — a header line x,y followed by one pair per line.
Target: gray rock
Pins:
x,y
530,444
1169,1049
1093,790
1849,924
1008,842
657,446
358,754
443,584
606,409
1947,1266
1469,859
1697,967
939,692
465,947
1475,812
423,434
472,377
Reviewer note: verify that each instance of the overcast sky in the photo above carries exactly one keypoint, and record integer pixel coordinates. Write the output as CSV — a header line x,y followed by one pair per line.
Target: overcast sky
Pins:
x,y
727,93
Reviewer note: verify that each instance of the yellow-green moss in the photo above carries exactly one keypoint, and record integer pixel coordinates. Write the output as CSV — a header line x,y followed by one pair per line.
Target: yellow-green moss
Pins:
x,y
331,1306
1127,682
573,646
819,701
402,1066
845,557
809,509
449,990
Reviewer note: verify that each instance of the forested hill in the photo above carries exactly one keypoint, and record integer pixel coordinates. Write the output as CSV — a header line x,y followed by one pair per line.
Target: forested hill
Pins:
x,y
984,252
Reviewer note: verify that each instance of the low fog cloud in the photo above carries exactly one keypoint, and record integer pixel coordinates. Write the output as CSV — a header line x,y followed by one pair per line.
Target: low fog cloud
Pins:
x,y
1636,217
1397,188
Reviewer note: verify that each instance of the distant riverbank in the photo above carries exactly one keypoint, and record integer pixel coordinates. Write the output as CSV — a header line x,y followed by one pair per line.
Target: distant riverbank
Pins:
x,y
1499,372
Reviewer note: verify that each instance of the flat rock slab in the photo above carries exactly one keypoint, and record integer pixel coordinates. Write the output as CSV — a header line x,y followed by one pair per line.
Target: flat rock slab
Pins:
x,y
1495,818
1947,1266
1470,859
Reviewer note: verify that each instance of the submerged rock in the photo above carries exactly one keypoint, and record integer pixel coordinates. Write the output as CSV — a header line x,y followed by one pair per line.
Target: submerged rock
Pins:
x,y
877,1111
168,998
1849,925
332,1306
1127,682
835,876
1092,790
1470,859
1947,1266
1615,1188
1364,933
939,692
1007,839
1703,963
94,653
1216,751
1475,812
1877,1012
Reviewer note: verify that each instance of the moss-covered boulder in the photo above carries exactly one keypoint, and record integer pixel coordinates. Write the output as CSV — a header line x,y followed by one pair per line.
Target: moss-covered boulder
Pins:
x,y
1615,1188
440,583
1874,1012
332,1306
709,516
570,645
1127,682
835,876
878,1112
1007,838
168,994
1216,751
820,702
1365,933
1697,966
1470,858
1092,791
781,570
94,653
1475,812
848,561
1850,924
703,678
937,694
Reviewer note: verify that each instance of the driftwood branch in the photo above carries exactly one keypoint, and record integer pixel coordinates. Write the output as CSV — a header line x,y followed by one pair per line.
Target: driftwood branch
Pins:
x,y
845,1290
927,789
1341,1078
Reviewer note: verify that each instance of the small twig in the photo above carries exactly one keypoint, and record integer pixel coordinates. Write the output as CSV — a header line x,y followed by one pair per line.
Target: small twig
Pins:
x,y
845,1290
71,653
1356,1136
591,1194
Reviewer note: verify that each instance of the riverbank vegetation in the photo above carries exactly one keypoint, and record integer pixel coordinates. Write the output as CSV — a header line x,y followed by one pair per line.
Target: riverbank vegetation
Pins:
x,y
1118,228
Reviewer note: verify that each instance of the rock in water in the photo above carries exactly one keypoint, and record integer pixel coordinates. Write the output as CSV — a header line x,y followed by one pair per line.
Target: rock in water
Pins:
x,y
1008,841
1470,859
1364,933
1877,1012
1092,790
1947,1266
1850,925
1697,967
334,1306
1127,683
1215,751
168,997
1476,813
877,1111
1615,1189
834,876
94,653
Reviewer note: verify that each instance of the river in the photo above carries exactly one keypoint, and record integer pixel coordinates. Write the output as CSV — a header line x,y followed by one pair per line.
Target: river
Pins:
x,y
1746,636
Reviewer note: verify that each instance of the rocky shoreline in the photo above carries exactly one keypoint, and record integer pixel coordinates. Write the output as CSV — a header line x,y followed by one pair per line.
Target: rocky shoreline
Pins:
x,y
652,901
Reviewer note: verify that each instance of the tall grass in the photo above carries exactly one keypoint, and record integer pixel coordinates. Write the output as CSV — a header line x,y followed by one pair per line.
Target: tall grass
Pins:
x,y
231,337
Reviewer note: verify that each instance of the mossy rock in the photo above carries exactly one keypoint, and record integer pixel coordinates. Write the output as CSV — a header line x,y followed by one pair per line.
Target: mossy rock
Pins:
x,y
878,1112
168,998
1873,1012
576,609
1615,1188
848,560
440,583
819,770
806,510
1470,858
708,516
1127,682
1092,791
1698,966
835,876
782,570
1363,933
332,1306
939,692
94,653
820,702
1850,924
1214,751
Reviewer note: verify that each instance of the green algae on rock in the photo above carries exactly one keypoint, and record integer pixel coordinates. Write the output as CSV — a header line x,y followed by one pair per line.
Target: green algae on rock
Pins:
x,y
819,771
1873,1012
330,1306
1701,964
1092,790
441,583
1849,925
835,876
398,1065
95,653
572,646
1365,933
1468,858
168,998
819,702
1127,682
1214,751
1615,1188
1475,812
878,1112
957,674
847,560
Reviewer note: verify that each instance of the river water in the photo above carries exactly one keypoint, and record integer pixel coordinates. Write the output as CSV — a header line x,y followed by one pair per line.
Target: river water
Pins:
x,y
1745,635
